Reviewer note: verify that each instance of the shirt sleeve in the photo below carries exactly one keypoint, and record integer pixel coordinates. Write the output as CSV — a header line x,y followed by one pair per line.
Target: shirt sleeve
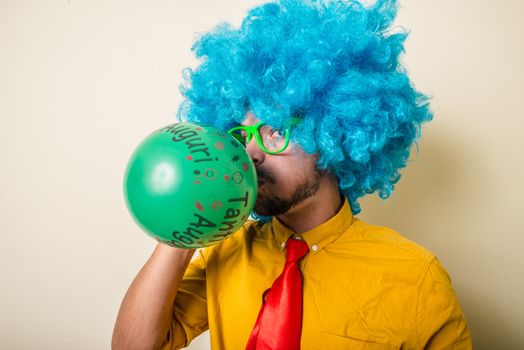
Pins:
x,y
440,323
190,307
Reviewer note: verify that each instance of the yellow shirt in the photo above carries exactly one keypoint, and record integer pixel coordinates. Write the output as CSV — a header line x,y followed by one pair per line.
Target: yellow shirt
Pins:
x,y
365,287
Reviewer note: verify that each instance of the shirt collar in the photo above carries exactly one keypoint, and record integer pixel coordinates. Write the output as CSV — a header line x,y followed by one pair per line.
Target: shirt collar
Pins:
x,y
320,236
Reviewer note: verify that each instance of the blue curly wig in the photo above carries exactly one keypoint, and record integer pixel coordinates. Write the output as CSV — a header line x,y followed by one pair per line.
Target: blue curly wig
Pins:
x,y
333,64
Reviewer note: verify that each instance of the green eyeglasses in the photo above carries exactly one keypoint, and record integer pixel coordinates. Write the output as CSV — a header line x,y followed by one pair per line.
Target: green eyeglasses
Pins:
x,y
270,140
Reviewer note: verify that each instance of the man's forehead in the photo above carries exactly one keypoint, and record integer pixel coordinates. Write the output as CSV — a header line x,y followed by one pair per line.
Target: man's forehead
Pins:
x,y
250,119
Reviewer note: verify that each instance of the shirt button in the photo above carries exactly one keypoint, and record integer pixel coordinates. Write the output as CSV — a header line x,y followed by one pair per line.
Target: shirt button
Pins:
x,y
314,247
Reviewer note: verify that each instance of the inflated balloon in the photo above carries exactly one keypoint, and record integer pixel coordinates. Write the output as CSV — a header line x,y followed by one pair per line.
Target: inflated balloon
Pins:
x,y
190,185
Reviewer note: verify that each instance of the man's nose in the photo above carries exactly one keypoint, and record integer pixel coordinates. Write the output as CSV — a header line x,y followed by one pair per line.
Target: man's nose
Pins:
x,y
256,154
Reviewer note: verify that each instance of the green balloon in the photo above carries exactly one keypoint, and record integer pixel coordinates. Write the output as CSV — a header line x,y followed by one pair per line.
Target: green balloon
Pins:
x,y
190,185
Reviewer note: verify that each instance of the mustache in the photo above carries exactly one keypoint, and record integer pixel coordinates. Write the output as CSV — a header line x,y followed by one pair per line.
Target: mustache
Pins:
x,y
266,176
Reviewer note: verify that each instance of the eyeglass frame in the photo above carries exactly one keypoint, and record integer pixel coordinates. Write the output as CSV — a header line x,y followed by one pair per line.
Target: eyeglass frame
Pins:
x,y
254,130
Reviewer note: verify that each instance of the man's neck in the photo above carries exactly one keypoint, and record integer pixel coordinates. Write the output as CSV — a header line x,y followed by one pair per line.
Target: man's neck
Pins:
x,y
314,210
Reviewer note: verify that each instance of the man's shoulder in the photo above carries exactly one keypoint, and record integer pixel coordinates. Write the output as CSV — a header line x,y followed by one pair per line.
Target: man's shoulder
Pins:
x,y
382,253
387,241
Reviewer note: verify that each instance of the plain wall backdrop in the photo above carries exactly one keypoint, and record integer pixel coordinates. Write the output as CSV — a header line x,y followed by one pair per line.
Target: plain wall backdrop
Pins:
x,y
83,82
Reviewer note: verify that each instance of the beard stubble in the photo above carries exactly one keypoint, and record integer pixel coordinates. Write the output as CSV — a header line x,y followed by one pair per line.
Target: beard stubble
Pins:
x,y
275,205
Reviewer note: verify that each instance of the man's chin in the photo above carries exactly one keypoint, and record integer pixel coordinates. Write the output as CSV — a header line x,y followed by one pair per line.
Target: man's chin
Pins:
x,y
265,206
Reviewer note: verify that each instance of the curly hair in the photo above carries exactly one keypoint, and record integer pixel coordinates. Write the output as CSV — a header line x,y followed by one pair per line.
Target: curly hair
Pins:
x,y
333,64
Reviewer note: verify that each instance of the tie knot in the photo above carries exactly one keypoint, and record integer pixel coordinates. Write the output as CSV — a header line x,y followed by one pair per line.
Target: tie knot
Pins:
x,y
295,250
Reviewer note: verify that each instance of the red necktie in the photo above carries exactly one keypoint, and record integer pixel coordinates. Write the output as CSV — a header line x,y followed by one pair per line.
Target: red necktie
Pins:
x,y
279,322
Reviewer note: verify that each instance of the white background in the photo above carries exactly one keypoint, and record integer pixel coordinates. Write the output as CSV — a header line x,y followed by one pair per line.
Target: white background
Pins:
x,y
82,82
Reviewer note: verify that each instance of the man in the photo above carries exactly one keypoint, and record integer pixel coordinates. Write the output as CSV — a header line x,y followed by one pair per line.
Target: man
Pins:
x,y
327,115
